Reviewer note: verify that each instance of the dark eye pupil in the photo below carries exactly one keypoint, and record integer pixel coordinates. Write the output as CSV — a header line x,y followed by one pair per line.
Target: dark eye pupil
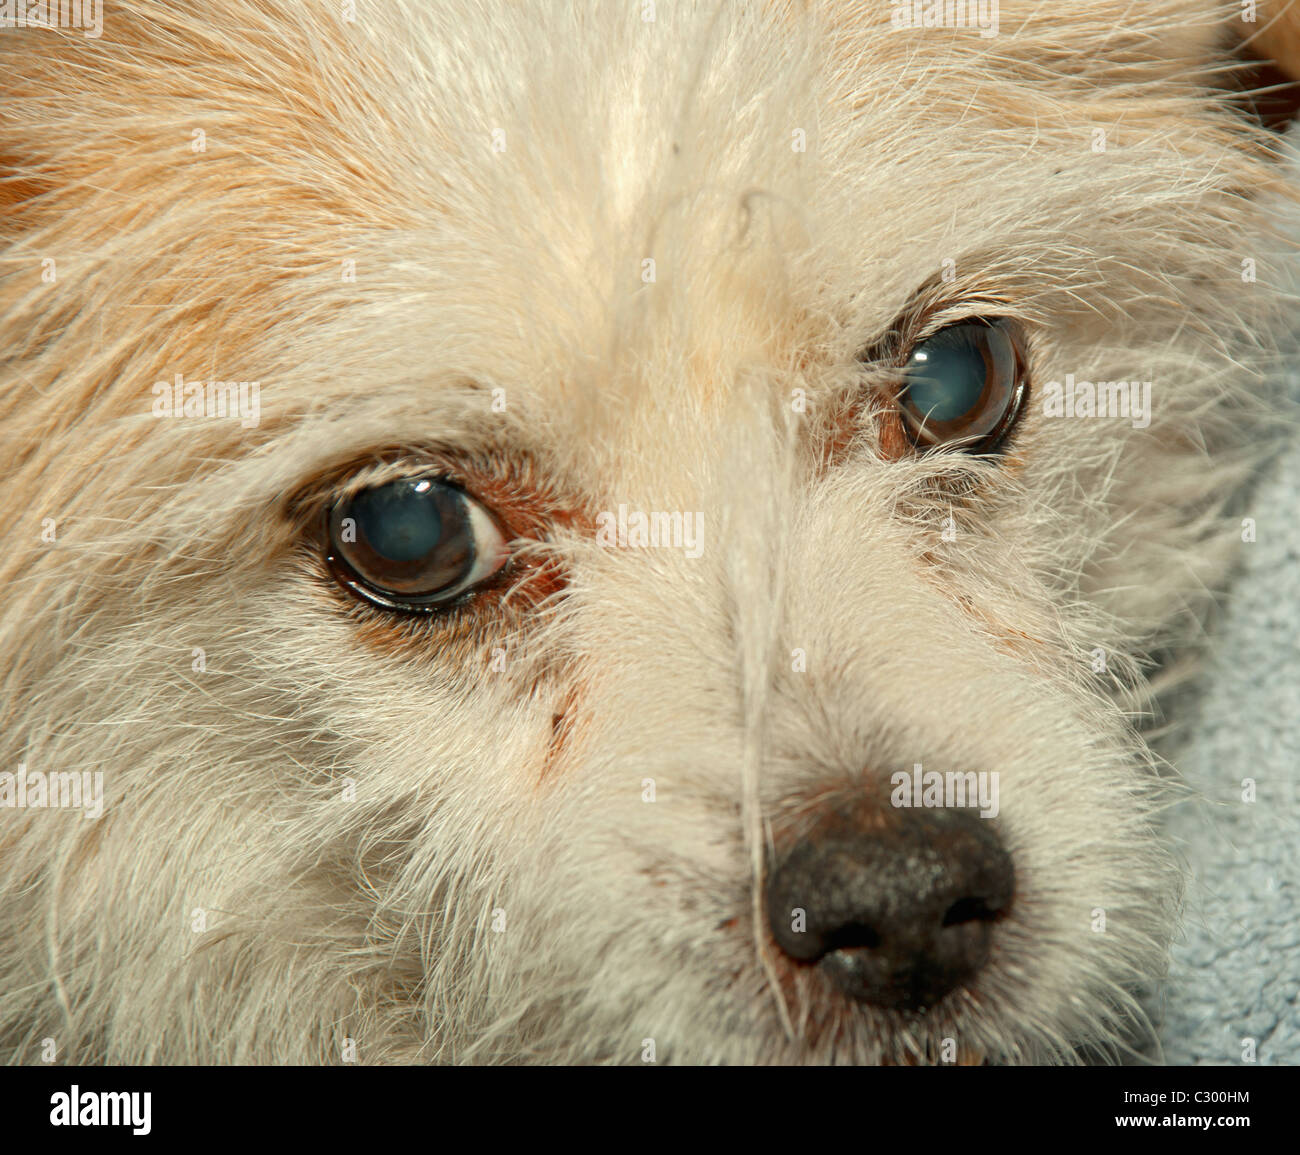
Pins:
x,y
962,384
409,539
397,521
946,377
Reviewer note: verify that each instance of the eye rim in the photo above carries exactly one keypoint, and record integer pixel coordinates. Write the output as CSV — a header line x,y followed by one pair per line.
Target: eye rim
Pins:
x,y
994,441
463,591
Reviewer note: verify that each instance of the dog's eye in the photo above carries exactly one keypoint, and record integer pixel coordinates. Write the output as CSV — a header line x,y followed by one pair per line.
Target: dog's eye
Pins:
x,y
413,544
963,387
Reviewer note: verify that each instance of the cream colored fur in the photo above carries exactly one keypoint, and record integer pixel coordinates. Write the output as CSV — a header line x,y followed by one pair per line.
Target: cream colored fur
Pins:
x,y
389,840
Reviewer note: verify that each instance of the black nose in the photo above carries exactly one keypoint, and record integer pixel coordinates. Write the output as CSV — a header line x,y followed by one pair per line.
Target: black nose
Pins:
x,y
897,910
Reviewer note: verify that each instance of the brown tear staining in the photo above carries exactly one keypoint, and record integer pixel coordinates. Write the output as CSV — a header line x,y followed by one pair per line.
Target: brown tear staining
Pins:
x,y
893,439
564,725
1016,643
872,414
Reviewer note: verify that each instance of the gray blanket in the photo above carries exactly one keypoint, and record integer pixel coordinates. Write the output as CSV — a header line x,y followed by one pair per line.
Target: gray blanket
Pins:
x,y
1236,974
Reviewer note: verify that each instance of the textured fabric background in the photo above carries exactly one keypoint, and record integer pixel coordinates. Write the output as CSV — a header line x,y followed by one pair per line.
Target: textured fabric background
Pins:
x,y
1236,974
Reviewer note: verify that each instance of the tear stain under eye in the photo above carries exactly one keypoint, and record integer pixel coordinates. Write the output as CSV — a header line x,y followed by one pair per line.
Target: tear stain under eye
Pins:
x,y
837,437
462,636
563,725
1015,643
894,442
458,639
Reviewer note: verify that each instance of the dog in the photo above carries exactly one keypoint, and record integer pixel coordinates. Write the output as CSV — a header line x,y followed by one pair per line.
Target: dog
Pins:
x,y
613,532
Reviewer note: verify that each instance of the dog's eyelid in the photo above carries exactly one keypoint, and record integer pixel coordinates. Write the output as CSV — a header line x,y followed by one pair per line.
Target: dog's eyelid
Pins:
x,y
382,473
338,483
921,319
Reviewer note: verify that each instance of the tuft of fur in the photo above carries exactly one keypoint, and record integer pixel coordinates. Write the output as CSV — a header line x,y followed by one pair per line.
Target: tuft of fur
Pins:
x,y
337,826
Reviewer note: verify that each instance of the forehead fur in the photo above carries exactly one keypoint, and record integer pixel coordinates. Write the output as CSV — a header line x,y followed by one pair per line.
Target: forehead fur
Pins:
x,y
725,143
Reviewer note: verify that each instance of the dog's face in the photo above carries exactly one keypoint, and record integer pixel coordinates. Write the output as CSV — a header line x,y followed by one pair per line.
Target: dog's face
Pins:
x,y
407,737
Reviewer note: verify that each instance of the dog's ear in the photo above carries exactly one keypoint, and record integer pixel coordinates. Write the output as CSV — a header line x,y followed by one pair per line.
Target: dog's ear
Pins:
x,y
1269,33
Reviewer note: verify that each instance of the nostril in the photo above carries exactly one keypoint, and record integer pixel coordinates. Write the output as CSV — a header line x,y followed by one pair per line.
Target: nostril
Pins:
x,y
852,936
969,910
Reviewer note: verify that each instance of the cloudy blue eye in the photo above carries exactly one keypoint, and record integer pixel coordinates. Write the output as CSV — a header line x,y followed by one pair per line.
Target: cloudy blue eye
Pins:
x,y
413,544
963,386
